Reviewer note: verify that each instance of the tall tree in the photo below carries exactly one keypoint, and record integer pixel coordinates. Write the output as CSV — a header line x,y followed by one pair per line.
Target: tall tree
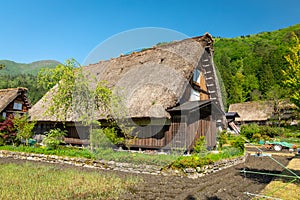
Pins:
x,y
78,95
292,72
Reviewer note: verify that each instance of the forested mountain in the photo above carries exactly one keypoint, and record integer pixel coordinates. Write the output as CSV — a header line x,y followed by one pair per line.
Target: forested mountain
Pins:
x,y
13,68
24,75
251,66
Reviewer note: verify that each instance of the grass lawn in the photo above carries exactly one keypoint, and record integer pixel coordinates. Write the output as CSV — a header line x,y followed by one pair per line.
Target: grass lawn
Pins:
x,y
37,181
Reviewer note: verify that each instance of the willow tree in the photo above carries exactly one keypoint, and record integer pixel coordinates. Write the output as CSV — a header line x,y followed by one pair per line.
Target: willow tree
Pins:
x,y
292,72
75,94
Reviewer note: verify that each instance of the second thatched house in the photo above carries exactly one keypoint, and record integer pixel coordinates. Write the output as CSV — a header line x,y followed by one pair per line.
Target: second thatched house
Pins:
x,y
171,94
264,112
14,101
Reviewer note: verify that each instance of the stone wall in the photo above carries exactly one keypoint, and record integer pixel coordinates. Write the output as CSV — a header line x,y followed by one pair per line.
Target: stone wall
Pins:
x,y
124,167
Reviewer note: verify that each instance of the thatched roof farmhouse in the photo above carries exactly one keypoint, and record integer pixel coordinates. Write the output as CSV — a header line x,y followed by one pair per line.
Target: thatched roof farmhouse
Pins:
x,y
13,101
155,83
262,112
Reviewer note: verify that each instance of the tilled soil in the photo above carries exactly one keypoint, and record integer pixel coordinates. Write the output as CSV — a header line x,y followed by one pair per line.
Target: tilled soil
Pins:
x,y
226,184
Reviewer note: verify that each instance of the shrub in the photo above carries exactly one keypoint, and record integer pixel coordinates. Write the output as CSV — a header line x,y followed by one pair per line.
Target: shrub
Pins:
x,y
271,131
256,137
249,130
190,162
112,135
54,138
104,138
98,139
239,143
200,146
222,138
8,133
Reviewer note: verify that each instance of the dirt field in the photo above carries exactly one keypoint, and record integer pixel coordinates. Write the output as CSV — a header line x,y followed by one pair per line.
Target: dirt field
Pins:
x,y
225,184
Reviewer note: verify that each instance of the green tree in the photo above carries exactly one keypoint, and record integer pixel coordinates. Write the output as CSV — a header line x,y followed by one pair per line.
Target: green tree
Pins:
x,y
23,127
77,94
292,72
275,95
200,146
2,66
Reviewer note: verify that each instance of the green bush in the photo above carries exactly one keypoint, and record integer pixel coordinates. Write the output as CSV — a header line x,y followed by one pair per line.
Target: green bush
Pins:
x,y
249,130
271,131
200,146
222,138
54,138
112,135
239,143
191,162
105,138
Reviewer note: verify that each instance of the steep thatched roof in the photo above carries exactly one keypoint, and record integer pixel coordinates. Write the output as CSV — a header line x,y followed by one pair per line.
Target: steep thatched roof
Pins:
x,y
9,95
258,110
150,81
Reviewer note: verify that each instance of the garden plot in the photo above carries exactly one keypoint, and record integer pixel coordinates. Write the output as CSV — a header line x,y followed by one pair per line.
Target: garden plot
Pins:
x,y
229,183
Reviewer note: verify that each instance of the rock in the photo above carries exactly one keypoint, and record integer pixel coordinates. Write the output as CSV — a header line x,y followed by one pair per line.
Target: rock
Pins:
x,y
111,162
190,170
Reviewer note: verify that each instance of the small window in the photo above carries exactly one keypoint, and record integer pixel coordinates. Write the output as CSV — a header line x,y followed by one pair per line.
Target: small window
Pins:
x,y
17,106
196,76
195,95
4,115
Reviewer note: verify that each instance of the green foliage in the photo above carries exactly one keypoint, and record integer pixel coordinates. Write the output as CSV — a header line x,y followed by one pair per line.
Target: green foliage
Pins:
x,y
254,133
63,76
60,151
15,69
200,146
271,131
192,161
112,135
292,72
2,66
250,66
249,130
196,160
222,138
23,127
134,157
105,138
239,143
54,138
24,75
35,92
74,91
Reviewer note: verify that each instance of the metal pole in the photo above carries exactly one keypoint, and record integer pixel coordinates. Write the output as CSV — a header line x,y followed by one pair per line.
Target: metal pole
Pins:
x,y
260,195
270,174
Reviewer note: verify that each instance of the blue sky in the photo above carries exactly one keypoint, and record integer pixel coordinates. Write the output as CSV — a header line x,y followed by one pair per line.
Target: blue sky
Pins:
x,y
34,30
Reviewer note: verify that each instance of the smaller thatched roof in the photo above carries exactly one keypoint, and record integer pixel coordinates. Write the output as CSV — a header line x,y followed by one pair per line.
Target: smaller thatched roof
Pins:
x,y
9,95
258,110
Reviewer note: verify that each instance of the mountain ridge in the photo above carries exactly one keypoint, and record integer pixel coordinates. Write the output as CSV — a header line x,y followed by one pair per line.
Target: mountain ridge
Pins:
x,y
15,68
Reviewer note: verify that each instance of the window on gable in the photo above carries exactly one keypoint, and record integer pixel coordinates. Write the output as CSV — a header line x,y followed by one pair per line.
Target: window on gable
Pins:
x,y
17,106
196,76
